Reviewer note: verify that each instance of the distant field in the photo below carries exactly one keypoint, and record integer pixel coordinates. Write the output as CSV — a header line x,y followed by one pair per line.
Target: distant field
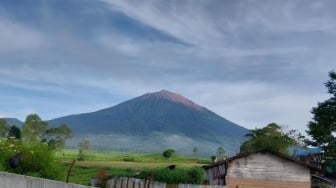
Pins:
x,y
118,163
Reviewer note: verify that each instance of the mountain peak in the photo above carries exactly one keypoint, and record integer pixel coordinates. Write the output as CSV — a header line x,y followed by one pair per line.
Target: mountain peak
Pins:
x,y
165,94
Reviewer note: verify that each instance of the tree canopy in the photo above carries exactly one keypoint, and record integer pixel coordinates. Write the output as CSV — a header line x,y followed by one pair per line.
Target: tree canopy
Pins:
x,y
36,130
168,153
270,137
322,128
3,128
14,132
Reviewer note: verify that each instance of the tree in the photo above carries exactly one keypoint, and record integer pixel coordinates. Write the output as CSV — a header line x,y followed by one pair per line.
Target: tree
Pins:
x,y
213,158
270,137
3,128
34,129
221,153
322,127
84,144
14,132
168,153
57,136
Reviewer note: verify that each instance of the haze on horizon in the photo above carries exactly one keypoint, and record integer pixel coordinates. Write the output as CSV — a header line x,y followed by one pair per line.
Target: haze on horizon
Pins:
x,y
252,62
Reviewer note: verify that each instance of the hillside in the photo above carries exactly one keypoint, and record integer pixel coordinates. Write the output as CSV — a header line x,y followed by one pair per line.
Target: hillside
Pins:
x,y
164,118
13,121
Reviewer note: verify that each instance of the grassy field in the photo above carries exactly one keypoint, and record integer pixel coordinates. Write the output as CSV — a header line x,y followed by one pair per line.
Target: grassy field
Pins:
x,y
118,163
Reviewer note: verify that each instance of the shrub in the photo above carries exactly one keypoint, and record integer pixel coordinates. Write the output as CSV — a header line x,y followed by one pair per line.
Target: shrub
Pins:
x,y
196,175
193,175
35,159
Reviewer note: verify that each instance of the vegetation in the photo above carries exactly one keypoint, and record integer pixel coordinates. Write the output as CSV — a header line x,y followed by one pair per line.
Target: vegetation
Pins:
x,y
194,175
221,153
271,137
36,130
3,128
14,132
30,159
168,153
83,145
35,154
322,127
118,164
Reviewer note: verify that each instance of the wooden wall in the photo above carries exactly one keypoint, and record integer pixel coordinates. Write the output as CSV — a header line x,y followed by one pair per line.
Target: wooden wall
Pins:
x,y
216,175
265,168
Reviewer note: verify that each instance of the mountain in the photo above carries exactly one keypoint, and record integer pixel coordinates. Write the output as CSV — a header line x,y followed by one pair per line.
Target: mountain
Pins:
x,y
13,121
160,119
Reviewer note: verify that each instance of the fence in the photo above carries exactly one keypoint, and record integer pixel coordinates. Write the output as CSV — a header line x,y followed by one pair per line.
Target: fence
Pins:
x,y
8,180
139,183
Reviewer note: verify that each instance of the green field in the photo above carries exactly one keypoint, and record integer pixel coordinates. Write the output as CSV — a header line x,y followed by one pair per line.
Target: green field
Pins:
x,y
118,163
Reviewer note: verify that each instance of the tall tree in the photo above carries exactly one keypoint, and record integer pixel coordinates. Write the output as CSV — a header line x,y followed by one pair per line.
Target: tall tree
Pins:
x,y
3,128
322,128
271,137
34,129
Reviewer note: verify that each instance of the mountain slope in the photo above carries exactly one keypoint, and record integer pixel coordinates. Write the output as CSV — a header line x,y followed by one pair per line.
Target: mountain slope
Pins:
x,y
163,113
13,121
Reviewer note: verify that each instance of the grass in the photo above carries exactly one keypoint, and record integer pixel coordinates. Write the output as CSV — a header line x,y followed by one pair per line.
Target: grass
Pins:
x,y
117,163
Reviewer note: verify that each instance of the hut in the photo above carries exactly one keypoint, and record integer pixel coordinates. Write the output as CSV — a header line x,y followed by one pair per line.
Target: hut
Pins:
x,y
260,169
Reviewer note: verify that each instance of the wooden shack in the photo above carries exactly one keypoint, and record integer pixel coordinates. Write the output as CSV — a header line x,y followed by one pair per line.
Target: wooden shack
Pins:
x,y
260,169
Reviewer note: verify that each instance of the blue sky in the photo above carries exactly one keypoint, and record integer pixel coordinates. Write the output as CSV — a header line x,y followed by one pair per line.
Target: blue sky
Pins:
x,y
252,62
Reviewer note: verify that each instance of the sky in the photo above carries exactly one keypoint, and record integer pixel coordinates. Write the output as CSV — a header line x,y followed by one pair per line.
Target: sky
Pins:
x,y
252,62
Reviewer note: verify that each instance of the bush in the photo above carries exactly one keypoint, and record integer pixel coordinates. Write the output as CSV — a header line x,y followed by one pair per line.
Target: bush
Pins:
x,y
196,175
193,175
36,159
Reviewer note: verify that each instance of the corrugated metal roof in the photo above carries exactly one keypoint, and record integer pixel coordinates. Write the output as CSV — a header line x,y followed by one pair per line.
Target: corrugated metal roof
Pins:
x,y
241,155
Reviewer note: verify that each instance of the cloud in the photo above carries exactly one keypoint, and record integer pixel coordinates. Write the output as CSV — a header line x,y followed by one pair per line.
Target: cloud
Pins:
x,y
246,60
15,36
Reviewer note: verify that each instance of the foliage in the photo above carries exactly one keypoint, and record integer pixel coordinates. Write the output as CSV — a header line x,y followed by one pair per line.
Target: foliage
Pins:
x,y
270,137
196,175
115,164
322,127
14,132
36,130
213,158
3,128
102,177
168,153
57,136
193,175
84,144
221,153
35,159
